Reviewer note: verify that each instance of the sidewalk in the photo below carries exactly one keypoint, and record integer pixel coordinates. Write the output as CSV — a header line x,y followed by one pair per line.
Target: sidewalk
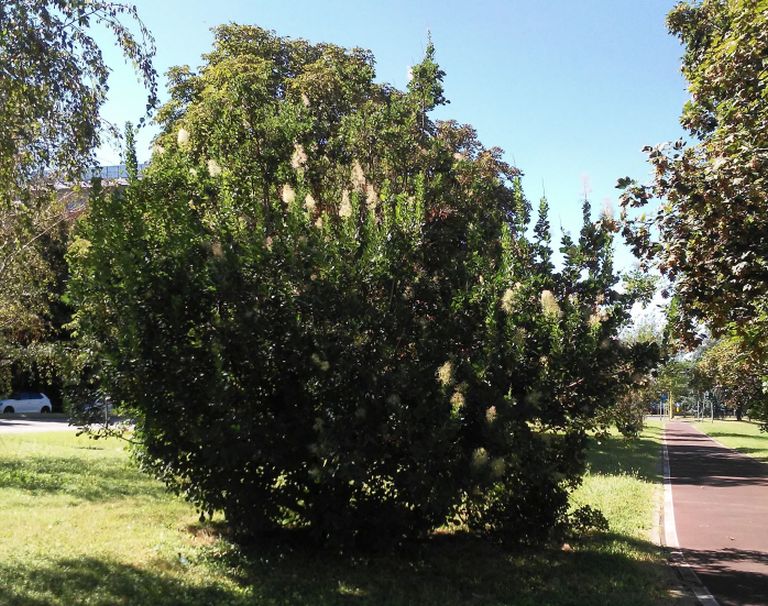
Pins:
x,y
720,502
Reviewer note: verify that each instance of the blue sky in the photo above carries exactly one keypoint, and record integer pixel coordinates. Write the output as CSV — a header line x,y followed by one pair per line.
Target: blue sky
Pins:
x,y
571,90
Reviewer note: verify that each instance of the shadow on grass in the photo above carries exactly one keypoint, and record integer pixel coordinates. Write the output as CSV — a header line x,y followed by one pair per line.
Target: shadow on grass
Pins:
x,y
640,457
90,480
742,436
98,582
446,571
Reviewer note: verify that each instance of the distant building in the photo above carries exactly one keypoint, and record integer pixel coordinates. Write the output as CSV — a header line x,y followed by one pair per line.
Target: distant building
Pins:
x,y
111,173
75,195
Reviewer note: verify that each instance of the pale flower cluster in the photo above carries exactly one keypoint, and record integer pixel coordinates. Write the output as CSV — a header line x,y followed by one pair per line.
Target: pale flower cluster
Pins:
x,y
357,176
310,204
498,467
444,374
182,137
323,365
597,318
457,402
288,194
479,458
371,197
508,300
299,157
490,415
345,208
549,304
214,169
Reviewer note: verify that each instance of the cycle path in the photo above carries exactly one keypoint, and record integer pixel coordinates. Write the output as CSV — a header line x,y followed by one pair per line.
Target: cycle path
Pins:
x,y
720,505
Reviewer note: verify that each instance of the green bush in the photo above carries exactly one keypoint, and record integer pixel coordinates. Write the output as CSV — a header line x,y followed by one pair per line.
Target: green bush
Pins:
x,y
324,310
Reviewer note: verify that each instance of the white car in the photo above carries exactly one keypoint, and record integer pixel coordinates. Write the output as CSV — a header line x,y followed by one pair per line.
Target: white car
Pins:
x,y
28,401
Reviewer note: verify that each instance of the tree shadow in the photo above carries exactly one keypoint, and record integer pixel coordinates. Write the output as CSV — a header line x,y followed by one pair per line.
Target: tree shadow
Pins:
x,y
695,461
99,582
734,576
617,455
90,480
445,570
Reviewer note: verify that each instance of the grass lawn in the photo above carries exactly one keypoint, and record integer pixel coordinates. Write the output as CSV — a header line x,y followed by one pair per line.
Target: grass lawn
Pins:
x,y
82,526
743,436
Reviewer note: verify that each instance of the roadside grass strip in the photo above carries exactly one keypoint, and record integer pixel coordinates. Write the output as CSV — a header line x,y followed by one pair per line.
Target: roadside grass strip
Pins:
x,y
82,526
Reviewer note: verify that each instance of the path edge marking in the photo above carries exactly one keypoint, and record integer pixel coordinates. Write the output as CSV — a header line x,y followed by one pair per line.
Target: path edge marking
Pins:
x,y
671,541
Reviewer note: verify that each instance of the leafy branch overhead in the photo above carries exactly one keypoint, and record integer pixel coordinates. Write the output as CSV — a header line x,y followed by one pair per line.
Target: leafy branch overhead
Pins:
x,y
709,234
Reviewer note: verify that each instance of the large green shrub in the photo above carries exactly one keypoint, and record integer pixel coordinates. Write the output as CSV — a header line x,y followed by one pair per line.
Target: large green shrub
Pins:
x,y
324,311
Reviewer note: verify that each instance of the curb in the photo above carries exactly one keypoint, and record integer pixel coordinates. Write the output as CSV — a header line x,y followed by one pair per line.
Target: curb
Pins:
x,y
669,538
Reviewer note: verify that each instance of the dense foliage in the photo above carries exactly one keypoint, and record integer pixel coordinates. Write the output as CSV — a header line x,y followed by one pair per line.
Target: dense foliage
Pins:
x,y
710,233
324,310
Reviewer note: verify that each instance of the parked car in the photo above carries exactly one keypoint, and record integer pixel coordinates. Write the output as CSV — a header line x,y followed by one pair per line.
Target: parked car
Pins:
x,y
28,401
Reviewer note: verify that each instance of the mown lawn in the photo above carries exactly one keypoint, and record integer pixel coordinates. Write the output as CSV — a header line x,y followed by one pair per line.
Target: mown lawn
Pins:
x,y
82,527
743,436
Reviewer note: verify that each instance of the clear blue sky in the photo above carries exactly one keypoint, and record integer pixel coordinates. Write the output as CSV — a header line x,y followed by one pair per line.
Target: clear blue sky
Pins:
x,y
571,90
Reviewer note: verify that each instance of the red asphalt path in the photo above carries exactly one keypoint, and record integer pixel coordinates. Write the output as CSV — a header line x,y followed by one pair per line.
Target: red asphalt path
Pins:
x,y
720,502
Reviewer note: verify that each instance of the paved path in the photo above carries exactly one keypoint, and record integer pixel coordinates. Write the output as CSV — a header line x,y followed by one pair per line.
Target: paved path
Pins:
x,y
720,502
32,425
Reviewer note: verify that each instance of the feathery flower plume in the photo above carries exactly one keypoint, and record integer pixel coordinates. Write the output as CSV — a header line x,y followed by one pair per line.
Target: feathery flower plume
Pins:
x,y
182,137
457,402
310,204
549,304
357,176
508,300
345,208
597,318
498,467
490,415
371,197
479,458
444,374
214,169
299,157
288,194
323,365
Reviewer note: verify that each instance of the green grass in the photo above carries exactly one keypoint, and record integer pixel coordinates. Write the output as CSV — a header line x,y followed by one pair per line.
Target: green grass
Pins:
x,y
82,527
743,436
